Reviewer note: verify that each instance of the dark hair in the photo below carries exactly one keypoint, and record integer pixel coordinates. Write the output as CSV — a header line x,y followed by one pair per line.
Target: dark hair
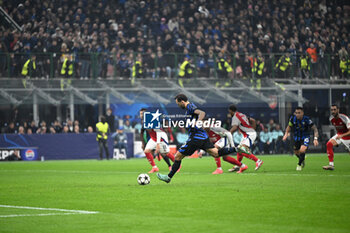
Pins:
x,y
181,97
143,109
103,118
232,107
335,105
299,108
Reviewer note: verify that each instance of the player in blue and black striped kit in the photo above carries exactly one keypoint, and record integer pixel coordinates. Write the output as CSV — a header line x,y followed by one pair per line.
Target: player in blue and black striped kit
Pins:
x,y
198,138
302,126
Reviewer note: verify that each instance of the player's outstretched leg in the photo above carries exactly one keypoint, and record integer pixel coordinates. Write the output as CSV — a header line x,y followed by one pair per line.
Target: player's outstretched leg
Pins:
x,y
150,159
239,167
330,156
218,167
236,168
258,162
174,168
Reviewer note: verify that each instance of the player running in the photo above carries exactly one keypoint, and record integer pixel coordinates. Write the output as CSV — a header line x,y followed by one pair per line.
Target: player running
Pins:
x,y
246,126
198,139
222,138
158,143
341,123
302,125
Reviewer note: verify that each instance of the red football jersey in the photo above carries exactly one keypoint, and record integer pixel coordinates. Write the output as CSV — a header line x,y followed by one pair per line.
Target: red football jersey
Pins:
x,y
341,124
153,133
242,121
214,137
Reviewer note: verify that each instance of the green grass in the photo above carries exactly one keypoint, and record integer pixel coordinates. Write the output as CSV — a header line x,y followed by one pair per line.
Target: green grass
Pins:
x,y
274,199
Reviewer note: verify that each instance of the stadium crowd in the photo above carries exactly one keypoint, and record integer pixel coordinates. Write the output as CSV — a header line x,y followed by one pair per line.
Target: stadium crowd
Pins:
x,y
80,38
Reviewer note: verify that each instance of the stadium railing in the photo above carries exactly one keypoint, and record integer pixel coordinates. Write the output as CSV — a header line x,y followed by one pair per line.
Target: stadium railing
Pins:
x,y
158,65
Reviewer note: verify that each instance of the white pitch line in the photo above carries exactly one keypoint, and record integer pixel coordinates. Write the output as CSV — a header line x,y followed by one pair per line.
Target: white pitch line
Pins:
x,y
33,215
52,209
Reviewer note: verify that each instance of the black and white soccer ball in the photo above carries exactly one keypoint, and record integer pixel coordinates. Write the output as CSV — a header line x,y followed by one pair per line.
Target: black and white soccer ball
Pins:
x,y
143,179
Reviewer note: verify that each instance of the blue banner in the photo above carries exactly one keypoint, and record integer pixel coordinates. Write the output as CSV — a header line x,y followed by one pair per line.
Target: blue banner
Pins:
x,y
62,146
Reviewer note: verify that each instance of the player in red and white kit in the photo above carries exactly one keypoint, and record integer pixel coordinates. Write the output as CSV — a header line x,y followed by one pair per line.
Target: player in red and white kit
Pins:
x,y
243,124
223,138
341,123
158,143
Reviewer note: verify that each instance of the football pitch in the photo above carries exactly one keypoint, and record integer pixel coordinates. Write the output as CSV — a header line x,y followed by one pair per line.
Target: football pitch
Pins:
x,y
104,196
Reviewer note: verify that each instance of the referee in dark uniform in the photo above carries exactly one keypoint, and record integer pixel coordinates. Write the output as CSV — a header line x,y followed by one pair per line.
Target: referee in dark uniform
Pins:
x,y
302,126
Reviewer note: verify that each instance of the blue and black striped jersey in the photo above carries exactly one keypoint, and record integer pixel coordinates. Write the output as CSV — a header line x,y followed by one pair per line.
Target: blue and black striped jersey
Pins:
x,y
194,132
301,127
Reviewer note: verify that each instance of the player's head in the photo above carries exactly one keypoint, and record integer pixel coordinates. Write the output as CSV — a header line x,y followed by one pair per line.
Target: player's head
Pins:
x,y
181,100
232,109
103,119
299,112
142,110
334,110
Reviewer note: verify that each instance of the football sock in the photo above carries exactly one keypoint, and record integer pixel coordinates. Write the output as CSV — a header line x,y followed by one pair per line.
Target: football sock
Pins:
x,y
166,159
301,158
226,151
250,156
218,162
174,168
232,160
330,152
239,157
171,156
150,159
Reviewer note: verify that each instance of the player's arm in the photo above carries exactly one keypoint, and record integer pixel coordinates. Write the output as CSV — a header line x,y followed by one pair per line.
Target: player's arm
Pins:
x,y
344,134
233,129
200,113
252,122
287,132
314,128
230,139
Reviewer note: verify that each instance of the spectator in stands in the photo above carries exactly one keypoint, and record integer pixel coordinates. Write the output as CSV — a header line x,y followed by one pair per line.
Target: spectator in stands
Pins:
x,y
90,129
3,59
57,126
271,125
120,139
11,128
110,119
333,53
264,142
33,127
237,137
127,126
29,131
21,130
42,129
312,52
52,130
76,129
263,27
65,129
276,139
70,125
343,54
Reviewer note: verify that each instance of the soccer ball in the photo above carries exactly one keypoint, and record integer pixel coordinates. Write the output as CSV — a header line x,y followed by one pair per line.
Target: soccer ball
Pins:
x,y
143,179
